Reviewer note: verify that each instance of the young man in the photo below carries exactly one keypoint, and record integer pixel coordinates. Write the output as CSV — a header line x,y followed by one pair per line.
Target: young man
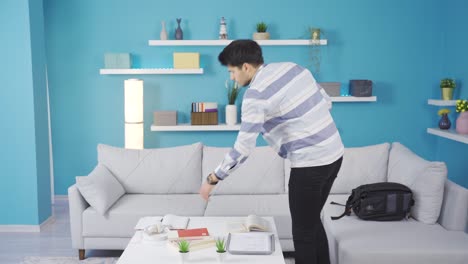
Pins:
x,y
286,105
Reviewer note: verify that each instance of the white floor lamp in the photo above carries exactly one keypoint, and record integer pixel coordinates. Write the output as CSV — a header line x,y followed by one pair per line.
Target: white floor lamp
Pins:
x,y
134,114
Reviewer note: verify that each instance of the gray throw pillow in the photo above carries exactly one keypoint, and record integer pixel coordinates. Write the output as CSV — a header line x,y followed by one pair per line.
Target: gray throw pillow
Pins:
x,y
100,188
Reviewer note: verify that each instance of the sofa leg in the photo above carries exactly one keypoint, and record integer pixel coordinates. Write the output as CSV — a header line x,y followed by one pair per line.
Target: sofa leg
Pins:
x,y
81,254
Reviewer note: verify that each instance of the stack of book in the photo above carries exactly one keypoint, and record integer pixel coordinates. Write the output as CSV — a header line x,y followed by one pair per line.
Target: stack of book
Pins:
x,y
198,238
204,113
204,107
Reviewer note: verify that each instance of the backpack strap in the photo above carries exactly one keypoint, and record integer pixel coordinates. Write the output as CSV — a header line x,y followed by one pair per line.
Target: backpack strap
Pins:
x,y
346,212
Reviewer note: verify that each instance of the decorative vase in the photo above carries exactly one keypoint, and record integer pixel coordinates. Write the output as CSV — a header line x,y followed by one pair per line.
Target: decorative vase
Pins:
x,y
444,122
163,34
462,123
184,256
261,35
221,256
179,35
231,114
447,93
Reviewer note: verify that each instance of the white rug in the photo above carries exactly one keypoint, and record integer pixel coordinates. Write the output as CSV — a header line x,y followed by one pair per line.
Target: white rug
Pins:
x,y
74,260
67,260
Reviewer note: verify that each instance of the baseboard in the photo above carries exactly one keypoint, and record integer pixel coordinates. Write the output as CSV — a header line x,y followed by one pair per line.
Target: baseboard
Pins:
x,y
58,198
27,228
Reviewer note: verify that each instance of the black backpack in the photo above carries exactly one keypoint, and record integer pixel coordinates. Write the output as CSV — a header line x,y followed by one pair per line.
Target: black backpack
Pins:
x,y
383,201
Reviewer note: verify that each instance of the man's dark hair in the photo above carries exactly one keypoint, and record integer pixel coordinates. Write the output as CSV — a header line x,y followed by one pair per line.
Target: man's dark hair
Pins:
x,y
241,51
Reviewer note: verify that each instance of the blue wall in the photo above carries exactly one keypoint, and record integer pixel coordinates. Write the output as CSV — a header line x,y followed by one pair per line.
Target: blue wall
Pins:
x,y
397,44
456,63
25,185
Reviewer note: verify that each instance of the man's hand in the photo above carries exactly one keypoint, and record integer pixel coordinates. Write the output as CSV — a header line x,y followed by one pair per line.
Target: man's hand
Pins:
x,y
205,190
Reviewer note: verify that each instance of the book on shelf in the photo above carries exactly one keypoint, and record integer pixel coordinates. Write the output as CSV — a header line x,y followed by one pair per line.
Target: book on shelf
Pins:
x,y
251,223
189,234
204,107
170,221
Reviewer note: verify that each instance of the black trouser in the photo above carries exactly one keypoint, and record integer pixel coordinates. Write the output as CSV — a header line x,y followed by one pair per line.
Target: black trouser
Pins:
x,y
308,191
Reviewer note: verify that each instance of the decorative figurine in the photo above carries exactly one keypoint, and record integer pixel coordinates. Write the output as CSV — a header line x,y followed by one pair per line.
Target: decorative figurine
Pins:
x,y
179,35
222,29
163,34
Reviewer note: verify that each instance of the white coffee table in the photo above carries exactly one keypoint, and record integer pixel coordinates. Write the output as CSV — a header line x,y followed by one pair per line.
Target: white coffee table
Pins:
x,y
140,251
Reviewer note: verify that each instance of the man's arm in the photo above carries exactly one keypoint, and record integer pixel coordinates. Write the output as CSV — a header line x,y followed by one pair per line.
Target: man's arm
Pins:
x,y
253,118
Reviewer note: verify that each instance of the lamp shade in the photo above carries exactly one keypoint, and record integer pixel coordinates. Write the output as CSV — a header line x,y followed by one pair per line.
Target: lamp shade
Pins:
x,y
133,101
134,114
134,136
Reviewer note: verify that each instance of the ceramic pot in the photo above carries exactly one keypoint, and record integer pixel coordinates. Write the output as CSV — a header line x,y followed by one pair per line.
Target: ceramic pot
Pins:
x,y
447,93
231,114
261,35
462,123
221,256
444,122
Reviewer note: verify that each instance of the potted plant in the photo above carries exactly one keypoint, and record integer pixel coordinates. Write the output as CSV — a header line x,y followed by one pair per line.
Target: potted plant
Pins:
x,y
315,34
444,122
462,121
221,249
261,33
184,247
231,108
447,85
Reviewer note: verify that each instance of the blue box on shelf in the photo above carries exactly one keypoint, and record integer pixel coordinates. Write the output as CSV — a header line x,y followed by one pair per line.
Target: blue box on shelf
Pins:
x,y
117,61
360,88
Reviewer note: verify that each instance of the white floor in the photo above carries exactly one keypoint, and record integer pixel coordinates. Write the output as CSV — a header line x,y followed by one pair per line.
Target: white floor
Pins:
x,y
54,240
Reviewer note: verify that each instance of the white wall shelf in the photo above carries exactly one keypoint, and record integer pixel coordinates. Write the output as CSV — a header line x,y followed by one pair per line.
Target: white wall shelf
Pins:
x,y
353,99
450,134
151,71
189,127
271,42
442,102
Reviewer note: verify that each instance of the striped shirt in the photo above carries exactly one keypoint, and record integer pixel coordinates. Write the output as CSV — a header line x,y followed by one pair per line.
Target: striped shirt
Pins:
x,y
285,104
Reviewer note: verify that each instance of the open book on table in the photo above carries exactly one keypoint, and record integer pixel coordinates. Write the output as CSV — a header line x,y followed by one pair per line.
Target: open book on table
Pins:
x,y
251,223
170,221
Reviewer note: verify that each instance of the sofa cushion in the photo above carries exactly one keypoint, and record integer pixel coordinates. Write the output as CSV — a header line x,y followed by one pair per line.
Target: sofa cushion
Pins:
x,y
100,188
262,172
362,165
426,179
454,211
175,170
276,206
404,242
125,213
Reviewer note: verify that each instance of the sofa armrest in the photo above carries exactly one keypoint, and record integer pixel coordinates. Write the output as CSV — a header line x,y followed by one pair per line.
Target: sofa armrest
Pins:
x,y
77,206
454,211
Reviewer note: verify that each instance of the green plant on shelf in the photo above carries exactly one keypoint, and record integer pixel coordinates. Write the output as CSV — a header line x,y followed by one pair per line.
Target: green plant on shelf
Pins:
x,y
233,91
461,106
262,27
447,83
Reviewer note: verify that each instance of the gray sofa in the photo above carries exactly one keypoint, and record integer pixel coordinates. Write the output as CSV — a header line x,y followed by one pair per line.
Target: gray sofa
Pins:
x,y
167,180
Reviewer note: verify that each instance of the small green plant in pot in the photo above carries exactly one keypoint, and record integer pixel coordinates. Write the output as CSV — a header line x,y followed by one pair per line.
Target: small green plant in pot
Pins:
x,y
221,249
261,33
184,249
315,33
447,85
